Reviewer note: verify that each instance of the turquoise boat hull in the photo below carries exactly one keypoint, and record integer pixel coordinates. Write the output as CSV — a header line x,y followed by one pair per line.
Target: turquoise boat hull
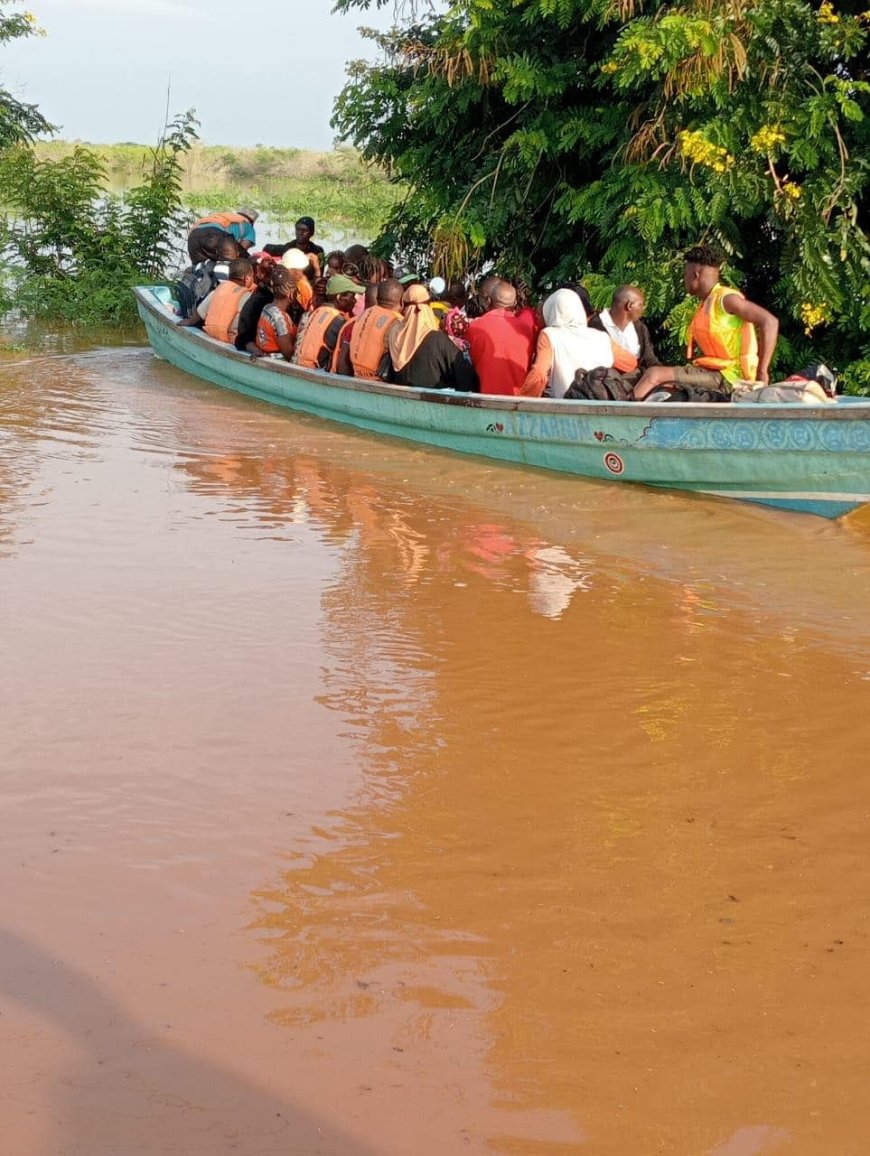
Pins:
x,y
812,459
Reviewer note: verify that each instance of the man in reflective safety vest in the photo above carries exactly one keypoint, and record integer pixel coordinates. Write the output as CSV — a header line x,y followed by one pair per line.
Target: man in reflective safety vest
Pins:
x,y
723,347
363,346
316,345
219,313
222,236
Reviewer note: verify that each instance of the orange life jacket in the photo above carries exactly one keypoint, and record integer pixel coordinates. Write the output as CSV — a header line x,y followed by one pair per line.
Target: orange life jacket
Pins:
x,y
727,343
221,220
303,292
267,334
368,342
624,361
222,319
313,344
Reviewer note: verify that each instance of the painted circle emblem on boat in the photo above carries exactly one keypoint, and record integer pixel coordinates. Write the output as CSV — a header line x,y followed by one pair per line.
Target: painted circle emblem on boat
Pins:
x,y
614,463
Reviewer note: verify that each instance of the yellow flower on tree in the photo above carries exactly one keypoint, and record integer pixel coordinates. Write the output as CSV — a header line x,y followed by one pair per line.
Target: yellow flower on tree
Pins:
x,y
767,139
813,315
696,148
826,13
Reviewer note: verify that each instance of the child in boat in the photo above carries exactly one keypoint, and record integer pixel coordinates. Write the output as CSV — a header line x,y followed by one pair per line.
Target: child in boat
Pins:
x,y
276,333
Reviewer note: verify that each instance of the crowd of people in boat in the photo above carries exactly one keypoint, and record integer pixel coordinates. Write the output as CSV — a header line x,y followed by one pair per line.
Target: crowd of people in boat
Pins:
x,y
352,313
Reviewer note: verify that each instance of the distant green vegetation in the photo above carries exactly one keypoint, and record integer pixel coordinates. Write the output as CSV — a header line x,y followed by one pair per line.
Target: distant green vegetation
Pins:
x,y
337,188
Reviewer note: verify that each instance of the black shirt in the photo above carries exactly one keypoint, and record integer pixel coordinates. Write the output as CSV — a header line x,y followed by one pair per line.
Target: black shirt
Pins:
x,y
279,250
250,315
437,364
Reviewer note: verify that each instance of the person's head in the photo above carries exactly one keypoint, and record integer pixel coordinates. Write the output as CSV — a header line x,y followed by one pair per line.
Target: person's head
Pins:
x,y
263,265
228,249
249,214
304,231
390,294
351,269
415,296
355,253
241,271
628,305
281,283
295,259
334,262
502,295
580,289
374,269
342,292
456,295
701,271
564,309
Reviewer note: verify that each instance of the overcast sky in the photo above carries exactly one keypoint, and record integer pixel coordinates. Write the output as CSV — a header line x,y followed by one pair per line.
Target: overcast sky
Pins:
x,y
256,71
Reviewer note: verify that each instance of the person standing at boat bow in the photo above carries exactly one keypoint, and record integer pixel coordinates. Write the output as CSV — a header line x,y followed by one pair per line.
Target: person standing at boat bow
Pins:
x,y
723,331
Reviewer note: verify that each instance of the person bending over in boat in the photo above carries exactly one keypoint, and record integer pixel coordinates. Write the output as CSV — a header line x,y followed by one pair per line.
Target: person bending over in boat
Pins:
x,y
363,347
219,314
276,333
565,344
421,353
208,239
502,342
316,347
724,332
632,344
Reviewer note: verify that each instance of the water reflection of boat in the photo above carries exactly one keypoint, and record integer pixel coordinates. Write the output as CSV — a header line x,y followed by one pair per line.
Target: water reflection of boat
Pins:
x,y
814,460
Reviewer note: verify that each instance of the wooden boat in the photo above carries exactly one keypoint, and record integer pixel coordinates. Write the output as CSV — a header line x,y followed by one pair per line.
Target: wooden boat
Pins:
x,y
813,459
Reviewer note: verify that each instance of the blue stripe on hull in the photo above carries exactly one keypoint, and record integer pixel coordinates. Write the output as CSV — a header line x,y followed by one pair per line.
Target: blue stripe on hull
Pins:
x,y
794,458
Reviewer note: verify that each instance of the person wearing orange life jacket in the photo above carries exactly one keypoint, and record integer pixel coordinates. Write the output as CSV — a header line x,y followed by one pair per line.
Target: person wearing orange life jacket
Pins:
x,y
276,332
316,346
207,240
363,344
632,345
220,312
723,332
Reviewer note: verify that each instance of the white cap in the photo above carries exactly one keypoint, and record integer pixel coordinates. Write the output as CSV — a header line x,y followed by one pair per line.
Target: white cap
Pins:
x,y
295,259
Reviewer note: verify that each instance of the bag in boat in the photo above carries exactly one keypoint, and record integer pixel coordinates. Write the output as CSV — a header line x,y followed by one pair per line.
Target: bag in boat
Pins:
x,y
194,286
602,385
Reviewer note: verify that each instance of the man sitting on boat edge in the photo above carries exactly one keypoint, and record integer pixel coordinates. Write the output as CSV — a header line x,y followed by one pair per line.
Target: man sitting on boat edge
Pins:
x,y
724,330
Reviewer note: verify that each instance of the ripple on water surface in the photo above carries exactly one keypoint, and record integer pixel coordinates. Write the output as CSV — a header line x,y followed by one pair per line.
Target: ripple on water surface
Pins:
x,y
481,810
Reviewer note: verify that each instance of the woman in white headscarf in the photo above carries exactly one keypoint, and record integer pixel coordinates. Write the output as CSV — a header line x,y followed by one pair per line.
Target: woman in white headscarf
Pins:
x,y
565,345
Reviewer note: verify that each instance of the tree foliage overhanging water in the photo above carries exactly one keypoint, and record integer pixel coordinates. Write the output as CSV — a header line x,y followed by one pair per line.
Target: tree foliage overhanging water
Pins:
x,y
603,137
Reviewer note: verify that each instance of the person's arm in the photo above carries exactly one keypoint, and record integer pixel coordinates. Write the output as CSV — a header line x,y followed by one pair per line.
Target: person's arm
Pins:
x,y
286,344
330,342
462,375
195,320
344,365
767,327
538,377
648,357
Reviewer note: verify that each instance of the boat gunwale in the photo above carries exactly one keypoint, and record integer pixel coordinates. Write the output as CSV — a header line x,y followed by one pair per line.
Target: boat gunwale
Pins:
x,y
504,403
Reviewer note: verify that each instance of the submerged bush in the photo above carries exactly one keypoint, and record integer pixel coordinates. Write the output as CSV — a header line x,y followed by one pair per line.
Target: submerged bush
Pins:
x,y
71,250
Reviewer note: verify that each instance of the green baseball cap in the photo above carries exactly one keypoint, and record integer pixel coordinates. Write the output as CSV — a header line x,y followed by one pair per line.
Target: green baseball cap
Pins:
x,y
341,284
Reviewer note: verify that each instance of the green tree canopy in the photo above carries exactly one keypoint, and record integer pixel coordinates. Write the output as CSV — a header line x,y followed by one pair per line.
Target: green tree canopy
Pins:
x,y
19,122
558,138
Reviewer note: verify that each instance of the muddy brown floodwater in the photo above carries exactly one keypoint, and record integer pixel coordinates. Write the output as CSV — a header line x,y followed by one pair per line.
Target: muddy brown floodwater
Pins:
x,y
361,800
